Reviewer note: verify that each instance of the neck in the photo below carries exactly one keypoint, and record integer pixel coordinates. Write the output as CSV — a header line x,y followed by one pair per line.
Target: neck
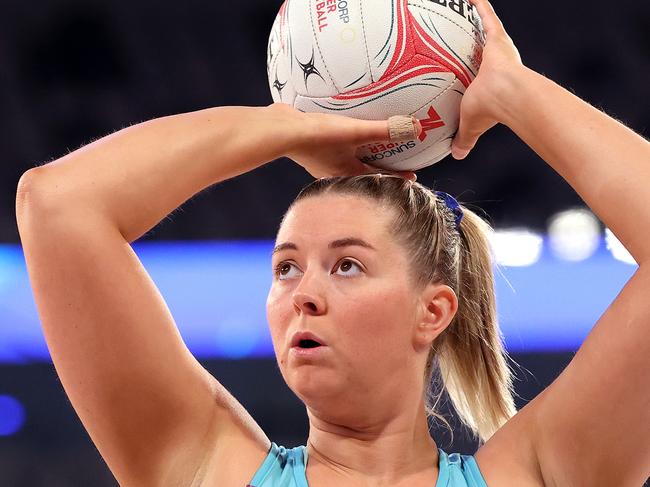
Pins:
x,y
387,448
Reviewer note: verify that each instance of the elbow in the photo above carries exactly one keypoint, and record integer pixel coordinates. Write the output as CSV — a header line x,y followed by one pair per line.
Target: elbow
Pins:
x,y
35,196
46,203
26,197
24,192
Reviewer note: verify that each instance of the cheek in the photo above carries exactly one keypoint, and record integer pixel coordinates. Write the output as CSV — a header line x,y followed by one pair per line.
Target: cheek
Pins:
x,y
278,313
381,319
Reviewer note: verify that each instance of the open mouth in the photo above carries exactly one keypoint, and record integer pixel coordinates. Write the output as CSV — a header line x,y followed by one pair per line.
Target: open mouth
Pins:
x,y
308,344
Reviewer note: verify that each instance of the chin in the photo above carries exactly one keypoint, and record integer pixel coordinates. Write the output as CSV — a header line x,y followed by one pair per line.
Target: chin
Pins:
x,y
315,388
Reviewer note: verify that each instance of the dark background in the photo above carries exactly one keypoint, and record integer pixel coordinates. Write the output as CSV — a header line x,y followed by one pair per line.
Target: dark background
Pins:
x,y
54,450
73,71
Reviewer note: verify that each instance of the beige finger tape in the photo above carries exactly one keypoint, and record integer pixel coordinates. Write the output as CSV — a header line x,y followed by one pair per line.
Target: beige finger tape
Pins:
x,y
401,128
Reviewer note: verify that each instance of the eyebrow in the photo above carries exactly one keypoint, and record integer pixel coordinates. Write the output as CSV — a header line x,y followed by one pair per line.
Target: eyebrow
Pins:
x,y
336,244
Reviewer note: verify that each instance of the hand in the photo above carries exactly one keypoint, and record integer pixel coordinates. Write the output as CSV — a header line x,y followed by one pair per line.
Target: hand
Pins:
x,y
479,108
326,144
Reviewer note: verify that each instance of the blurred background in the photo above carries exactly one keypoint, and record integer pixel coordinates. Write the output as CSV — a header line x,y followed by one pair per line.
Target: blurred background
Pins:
x,y
73,71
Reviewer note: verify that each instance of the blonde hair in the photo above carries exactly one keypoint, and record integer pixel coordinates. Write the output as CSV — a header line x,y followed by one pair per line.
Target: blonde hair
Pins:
x,y
468,358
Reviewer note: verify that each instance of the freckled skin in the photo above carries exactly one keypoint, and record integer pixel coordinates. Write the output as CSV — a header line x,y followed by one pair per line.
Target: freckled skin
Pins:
x,y
367,315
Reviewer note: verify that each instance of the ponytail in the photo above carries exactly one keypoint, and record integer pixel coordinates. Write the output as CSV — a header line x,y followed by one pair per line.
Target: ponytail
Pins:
x,y
469,356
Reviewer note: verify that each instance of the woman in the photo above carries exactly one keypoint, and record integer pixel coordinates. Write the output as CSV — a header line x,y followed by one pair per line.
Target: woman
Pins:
x,y
350,275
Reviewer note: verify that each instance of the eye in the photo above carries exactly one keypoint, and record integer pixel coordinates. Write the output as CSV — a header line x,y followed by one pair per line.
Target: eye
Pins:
x,y
346,266
283,270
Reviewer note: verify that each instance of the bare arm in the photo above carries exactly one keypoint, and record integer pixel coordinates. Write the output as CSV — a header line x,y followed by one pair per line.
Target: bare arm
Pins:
x,y
156,416
604,161
592,425
595,418
138,175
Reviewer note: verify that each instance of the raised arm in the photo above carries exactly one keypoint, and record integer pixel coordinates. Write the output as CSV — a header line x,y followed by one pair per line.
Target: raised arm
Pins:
x,y
605,162
592,425
156,416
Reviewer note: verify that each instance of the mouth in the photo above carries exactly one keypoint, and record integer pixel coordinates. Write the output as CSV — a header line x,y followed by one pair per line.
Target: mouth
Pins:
x,y
305,340
308,349
308,344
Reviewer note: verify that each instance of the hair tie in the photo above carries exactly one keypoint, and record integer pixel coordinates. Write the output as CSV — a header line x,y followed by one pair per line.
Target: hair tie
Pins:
x,y
453,205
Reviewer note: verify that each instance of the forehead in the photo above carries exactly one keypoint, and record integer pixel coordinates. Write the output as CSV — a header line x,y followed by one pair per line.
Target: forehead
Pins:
x,y
333,216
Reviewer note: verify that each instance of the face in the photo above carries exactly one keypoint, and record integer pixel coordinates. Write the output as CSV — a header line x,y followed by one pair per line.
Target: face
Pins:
x,y
341,275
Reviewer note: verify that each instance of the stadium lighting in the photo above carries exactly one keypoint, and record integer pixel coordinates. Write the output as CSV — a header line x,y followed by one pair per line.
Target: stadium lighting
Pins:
x,y
615,246
574,235
516,247
12,415
217,292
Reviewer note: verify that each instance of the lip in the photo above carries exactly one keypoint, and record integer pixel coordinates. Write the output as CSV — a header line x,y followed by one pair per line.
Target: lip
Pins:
x,y
307,353
305,335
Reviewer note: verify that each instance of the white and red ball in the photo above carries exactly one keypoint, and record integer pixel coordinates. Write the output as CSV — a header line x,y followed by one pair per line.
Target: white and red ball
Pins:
x,y
372,59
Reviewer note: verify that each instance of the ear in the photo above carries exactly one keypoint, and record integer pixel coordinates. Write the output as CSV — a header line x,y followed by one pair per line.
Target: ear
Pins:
x,y
438,307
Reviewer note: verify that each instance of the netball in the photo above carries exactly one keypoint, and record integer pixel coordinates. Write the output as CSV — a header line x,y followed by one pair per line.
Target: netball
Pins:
x,y
374,59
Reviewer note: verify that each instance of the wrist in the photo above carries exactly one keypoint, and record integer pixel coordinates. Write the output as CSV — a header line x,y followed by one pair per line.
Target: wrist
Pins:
x,y
292,124
512,93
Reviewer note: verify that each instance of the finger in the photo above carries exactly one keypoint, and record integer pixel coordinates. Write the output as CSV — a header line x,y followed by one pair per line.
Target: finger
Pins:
x,y
368,131
410,175
466,138
368,169
403,128
489,18
355,167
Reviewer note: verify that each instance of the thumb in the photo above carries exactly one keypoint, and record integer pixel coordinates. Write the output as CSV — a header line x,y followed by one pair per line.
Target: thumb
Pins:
x,y
469,131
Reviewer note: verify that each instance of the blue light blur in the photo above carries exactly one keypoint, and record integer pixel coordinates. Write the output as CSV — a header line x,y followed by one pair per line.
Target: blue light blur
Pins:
x,y
12,415
217,291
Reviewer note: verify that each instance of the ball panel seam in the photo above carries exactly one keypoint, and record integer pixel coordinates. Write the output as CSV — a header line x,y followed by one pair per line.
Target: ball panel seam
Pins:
x,y
315,36
365,40
453,82
433,11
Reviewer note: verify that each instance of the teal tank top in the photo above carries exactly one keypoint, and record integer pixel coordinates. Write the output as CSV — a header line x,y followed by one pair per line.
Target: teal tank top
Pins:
x,y
286,468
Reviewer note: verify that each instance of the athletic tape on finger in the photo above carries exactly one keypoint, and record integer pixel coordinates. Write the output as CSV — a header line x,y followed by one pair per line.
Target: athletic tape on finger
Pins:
x,y
402,128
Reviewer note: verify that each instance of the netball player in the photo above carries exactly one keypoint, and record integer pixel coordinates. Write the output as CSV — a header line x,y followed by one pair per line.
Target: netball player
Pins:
x,y
378,284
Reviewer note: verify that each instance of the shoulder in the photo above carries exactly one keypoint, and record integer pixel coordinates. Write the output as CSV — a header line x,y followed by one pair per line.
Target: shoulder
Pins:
x,y
235,463
234,448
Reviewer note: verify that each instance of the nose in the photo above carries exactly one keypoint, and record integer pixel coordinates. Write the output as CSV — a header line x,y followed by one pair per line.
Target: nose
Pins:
x,y
309,305
307,299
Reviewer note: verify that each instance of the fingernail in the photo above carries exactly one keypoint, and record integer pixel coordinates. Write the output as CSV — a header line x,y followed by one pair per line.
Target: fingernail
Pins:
x,y
459,153
418,126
